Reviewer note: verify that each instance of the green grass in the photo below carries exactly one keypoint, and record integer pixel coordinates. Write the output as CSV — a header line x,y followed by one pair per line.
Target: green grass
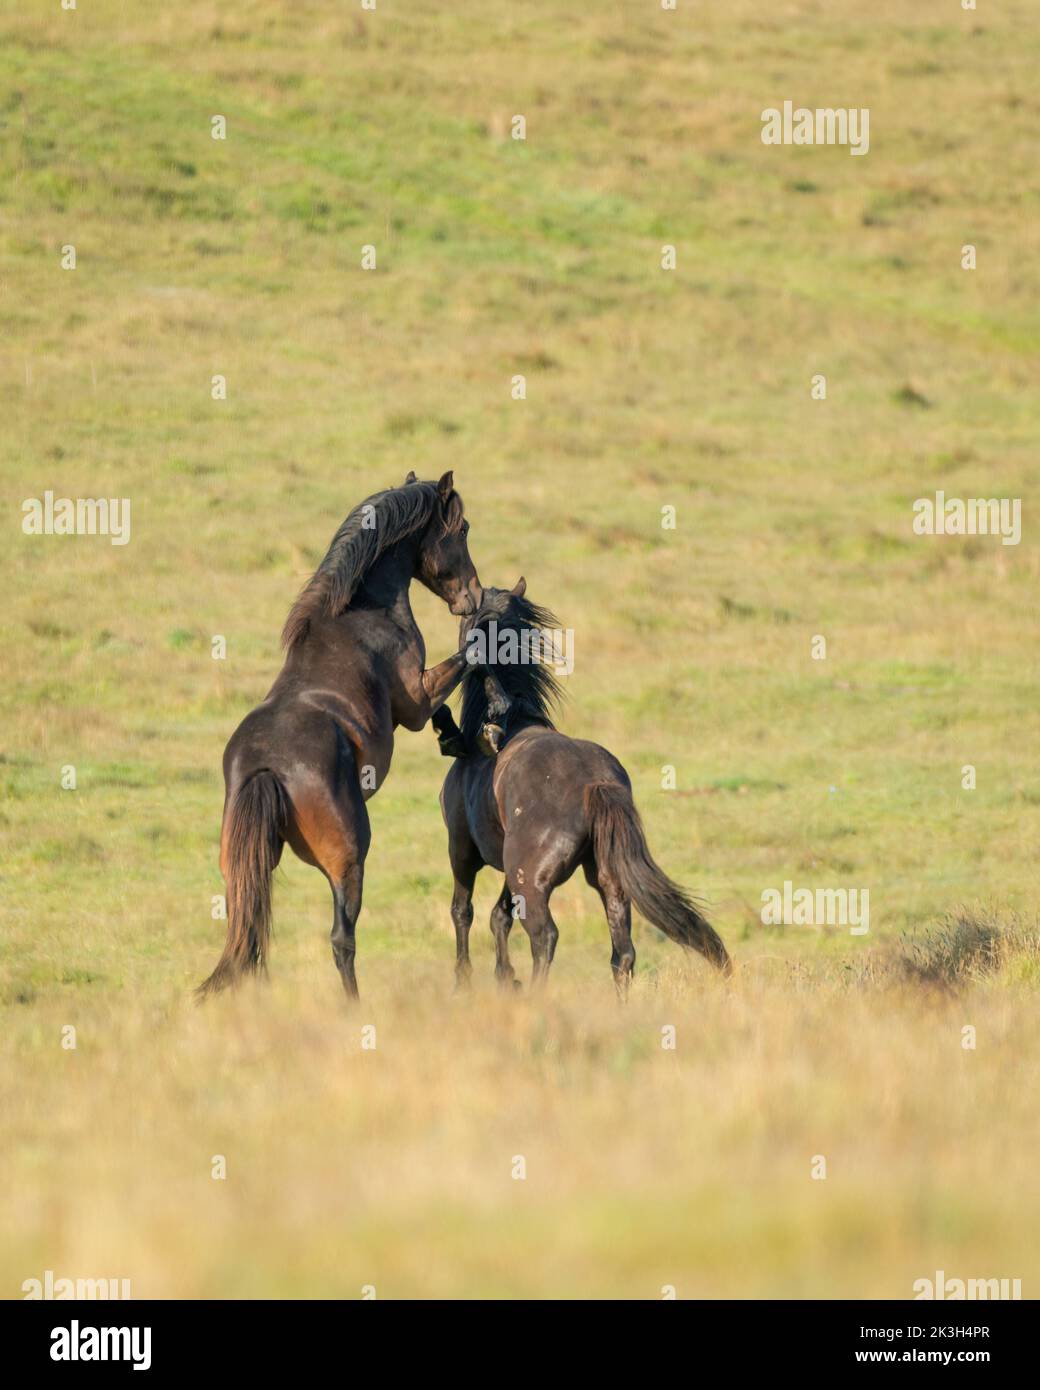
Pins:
x,y
645,389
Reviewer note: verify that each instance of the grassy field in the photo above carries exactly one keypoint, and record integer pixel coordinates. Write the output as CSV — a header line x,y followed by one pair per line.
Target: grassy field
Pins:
x,y
646,389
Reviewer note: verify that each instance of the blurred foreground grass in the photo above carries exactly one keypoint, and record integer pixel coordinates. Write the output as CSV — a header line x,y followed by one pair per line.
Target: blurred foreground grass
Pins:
x,y
392,1166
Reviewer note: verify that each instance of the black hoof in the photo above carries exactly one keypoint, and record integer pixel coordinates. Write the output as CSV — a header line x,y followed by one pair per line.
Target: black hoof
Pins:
x,y
489,740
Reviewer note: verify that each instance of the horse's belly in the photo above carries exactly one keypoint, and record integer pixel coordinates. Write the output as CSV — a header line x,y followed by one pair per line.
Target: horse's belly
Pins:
x,y
489,841
482,817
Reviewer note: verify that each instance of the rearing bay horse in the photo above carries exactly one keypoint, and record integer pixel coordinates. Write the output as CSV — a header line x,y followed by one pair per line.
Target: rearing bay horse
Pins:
x,y
543,806
301,766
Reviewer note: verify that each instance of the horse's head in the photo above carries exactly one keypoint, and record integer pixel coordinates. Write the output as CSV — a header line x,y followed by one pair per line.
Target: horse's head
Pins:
x,y
495,603
443,562
505,680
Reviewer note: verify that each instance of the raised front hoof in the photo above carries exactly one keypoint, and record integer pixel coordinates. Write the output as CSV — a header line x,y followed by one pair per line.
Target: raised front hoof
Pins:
x,y
452,746
489,740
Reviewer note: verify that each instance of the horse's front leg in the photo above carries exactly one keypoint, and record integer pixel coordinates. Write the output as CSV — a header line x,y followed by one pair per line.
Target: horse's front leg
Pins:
x,y
462,917
439,681
449,735
424,692
499,704
489,740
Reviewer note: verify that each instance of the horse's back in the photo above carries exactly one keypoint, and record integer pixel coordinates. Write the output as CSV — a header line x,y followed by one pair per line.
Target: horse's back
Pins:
x,y
543,774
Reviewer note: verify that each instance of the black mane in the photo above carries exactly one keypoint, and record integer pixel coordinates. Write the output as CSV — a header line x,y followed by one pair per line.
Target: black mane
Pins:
x,y
399,512
532,688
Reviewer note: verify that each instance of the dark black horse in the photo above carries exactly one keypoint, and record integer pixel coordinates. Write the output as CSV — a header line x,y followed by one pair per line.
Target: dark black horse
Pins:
x,y
301,766
545,804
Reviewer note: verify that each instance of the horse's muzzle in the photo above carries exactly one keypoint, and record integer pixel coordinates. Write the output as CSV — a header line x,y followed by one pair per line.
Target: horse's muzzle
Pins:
x,y
466,605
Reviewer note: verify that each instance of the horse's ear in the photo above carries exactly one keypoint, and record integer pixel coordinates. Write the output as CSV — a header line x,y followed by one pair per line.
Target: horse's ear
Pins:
x,y
446,486
410,479
520,587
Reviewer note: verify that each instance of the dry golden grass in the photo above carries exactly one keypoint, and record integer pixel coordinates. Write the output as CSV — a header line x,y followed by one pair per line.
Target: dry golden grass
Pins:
x,y
645,1166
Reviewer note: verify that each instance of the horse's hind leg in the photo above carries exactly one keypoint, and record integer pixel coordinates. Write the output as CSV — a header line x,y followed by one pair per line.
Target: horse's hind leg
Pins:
x,y
619,920
330,828
501,922
542,930
346,897
623,955
533,870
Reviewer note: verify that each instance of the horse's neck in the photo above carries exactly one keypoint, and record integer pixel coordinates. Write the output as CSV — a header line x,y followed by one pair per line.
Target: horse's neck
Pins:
x,y
384,588
522,720
378,619
388,578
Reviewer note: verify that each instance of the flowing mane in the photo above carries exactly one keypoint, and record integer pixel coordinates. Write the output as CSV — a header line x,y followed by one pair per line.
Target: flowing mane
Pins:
x,y
532,688
371,528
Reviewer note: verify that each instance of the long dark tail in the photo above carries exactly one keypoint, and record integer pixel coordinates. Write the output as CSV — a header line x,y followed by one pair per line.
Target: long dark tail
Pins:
x,y
620,848
257,819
